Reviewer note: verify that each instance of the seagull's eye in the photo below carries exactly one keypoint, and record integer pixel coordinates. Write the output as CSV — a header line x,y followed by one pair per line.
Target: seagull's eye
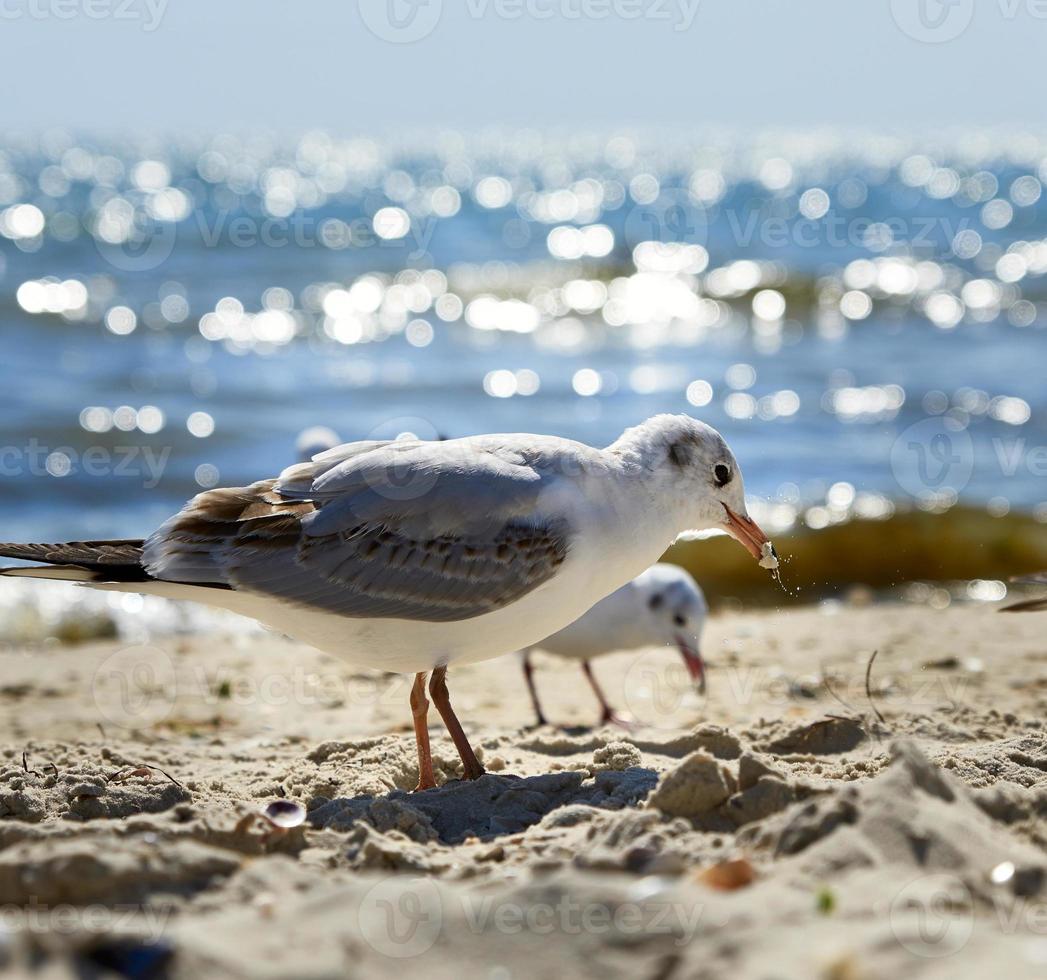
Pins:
x,y
722,474
680,620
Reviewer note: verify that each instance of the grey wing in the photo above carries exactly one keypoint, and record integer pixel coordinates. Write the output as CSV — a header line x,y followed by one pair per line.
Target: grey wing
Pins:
x,y
407,532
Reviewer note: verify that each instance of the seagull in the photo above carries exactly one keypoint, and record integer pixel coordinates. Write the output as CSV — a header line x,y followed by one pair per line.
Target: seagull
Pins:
x,y
1030,605
409,556
663,606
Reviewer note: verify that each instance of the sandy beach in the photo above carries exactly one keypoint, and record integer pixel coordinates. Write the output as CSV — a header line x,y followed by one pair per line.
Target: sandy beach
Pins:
x,y
348,318
775,828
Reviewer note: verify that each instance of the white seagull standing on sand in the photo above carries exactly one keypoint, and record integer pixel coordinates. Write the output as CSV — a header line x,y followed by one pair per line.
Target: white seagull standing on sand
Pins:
x,y
663,606
410,556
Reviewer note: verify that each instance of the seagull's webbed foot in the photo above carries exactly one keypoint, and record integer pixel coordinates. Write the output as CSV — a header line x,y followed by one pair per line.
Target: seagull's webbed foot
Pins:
x,y
442,700
619,719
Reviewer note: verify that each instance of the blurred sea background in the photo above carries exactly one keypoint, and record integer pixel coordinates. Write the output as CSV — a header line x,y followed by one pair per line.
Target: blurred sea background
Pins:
x,y
863,315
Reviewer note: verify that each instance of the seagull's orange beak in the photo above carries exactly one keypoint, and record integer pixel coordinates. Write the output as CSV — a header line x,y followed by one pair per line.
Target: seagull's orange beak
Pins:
x,y
746,532
693,661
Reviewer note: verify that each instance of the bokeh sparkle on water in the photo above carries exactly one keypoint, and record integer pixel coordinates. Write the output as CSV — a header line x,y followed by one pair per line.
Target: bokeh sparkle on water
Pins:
x,y
203,300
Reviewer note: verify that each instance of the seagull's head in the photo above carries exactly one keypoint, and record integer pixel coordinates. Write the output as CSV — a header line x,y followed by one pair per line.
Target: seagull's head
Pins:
x,y
693,466
676,611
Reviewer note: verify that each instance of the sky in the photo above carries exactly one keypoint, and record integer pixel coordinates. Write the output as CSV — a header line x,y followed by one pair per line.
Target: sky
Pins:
x,y
389,66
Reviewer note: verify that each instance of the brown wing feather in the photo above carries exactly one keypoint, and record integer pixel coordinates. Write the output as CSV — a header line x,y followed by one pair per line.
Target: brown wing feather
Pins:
x,y
116,561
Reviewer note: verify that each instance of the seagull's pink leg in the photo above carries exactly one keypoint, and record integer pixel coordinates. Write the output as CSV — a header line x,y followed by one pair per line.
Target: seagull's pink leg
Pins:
x,y
528,669
442,700
420,710
608,715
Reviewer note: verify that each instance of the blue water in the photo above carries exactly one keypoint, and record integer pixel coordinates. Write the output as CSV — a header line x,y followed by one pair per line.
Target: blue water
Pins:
x,y
167,232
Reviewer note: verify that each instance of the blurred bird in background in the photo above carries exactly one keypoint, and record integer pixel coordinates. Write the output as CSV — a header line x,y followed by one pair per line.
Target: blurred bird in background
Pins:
x,y
663,606
1030,605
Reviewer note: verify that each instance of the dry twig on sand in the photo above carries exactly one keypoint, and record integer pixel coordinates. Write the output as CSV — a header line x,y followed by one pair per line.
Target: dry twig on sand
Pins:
x,y
36,772
142,769
868,689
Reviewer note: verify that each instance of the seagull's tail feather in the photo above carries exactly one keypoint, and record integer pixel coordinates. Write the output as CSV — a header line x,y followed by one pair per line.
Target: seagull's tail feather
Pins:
x,y
79,561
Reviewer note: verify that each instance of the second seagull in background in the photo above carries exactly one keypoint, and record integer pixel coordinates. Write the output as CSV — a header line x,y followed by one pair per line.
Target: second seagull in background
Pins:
x,y
663,606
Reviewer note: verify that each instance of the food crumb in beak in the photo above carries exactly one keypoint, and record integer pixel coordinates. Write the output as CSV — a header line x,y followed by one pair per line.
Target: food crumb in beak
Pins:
x,y
768,557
